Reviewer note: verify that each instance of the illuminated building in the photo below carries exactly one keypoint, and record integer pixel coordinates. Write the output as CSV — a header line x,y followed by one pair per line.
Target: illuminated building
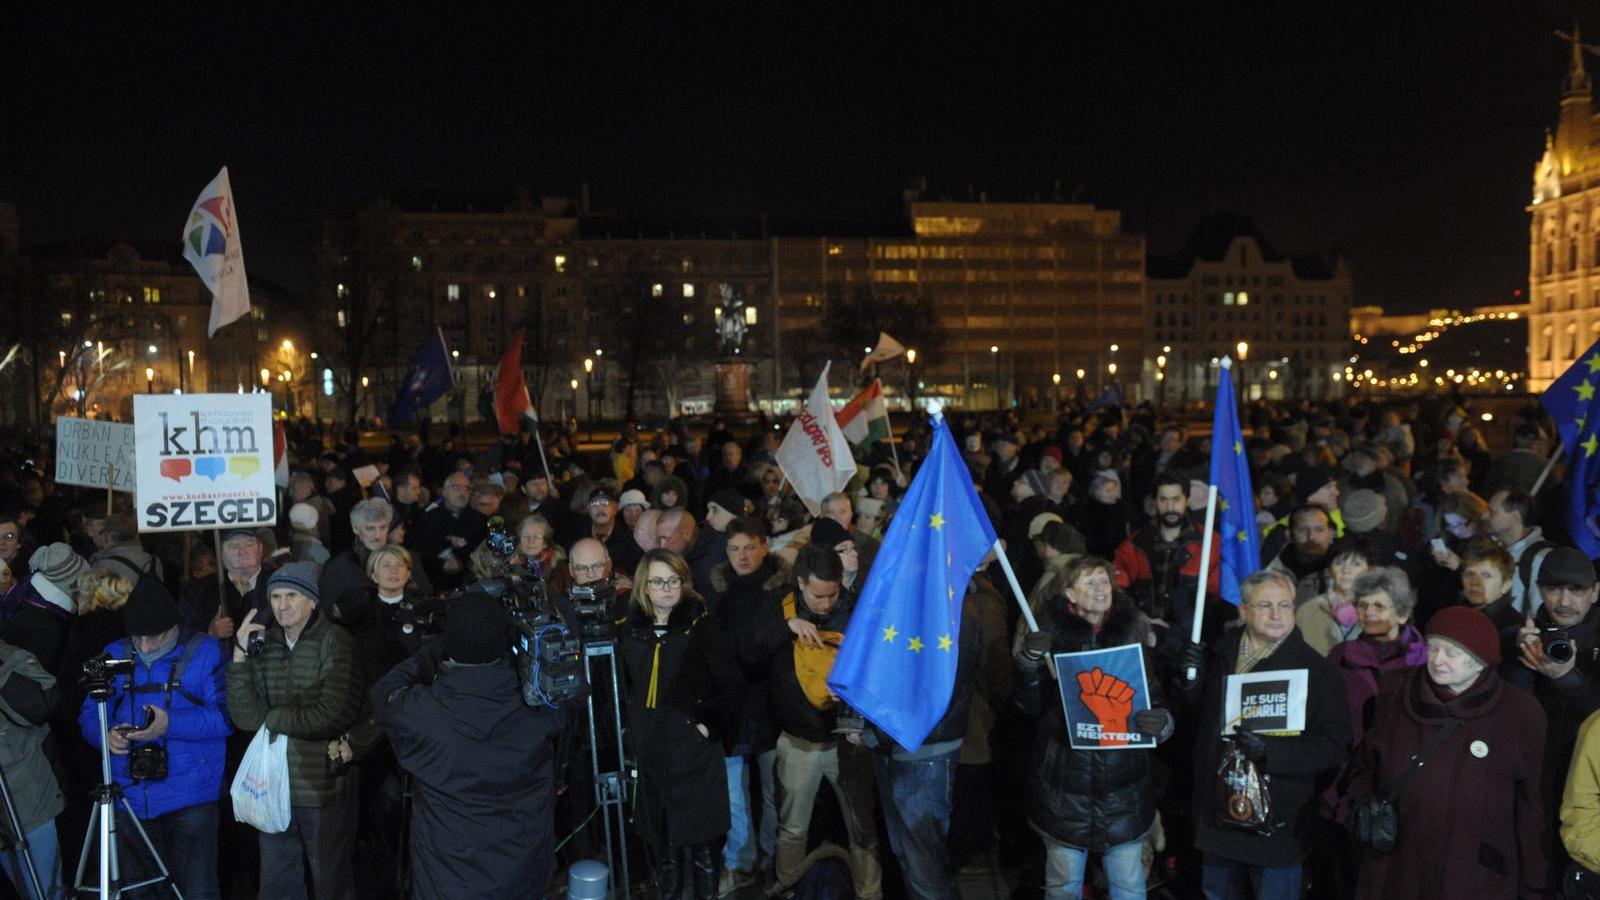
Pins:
x,y
1229,285
1564,234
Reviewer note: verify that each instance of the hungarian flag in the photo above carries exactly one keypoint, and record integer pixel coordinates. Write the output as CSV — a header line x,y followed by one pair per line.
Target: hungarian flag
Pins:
x,y
865,419
280,455
511,401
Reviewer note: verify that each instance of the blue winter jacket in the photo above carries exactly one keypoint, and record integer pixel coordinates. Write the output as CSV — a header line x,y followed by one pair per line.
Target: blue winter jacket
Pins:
x,y
197,724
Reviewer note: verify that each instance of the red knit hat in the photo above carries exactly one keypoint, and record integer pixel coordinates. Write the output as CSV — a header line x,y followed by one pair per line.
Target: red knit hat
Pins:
x,y
1470,628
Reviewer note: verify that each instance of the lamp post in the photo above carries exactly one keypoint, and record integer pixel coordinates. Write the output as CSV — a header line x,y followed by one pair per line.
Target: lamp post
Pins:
x,y
1055,392
588,375
911,382
189,385
1243,349
149,380
574,399
1161,381
994,351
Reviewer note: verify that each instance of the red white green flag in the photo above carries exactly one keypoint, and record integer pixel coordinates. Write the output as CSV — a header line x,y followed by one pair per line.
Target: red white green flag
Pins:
x,y
865,419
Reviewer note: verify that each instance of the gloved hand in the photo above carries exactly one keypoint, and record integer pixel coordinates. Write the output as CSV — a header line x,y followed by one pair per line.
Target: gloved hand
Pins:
x,y
1156,723
1036,644
432,656
1194,657
1252,745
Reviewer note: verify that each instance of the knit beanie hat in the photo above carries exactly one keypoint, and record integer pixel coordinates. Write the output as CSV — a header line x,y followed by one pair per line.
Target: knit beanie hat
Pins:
x,y
59,565
1364,510
825,532
300,576
150,609
1308,481
729,499
303,516
1469,628
476,630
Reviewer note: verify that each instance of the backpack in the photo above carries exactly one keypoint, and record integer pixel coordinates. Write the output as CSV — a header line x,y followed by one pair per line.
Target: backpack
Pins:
x,y
175,676
827,879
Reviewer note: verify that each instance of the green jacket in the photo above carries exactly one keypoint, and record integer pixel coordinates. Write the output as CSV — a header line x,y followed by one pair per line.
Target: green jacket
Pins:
x,y
22,734
309,693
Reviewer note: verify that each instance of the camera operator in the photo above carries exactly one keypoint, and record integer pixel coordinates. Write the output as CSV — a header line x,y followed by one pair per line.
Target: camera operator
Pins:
x,y
169,727
27,693
590,567
300,681
481,758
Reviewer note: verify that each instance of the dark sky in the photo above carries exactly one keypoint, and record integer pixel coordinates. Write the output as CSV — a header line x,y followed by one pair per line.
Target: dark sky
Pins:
x,y
1402,134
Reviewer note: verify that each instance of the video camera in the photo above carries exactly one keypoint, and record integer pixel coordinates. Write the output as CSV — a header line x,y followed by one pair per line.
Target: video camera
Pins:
x,y
98,672
593,605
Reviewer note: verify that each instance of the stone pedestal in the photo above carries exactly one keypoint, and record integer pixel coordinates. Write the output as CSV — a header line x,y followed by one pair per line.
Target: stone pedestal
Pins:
x,y
733,388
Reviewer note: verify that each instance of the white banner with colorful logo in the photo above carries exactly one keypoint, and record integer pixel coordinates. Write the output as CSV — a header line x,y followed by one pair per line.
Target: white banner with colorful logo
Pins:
x,y
203,461
211,244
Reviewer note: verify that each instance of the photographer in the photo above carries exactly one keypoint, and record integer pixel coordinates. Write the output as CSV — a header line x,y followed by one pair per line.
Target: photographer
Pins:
x,y
591,571
482,760
169,727
300,681
27,693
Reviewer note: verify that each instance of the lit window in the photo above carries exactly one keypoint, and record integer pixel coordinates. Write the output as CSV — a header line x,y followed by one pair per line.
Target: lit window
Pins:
x,y
1227,299
341,318
688,291
688,318
561,263
835,249
416,264
657,289
1244,298
749,315
327,382
687,265
452,292
152,294
491,292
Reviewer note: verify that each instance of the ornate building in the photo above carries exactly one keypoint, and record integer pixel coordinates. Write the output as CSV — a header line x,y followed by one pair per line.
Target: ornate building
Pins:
x,y
1564,234
1230,287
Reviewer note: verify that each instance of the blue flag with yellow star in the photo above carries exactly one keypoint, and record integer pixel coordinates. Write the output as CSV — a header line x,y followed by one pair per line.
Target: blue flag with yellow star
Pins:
x,y
897,665
1236,500
1569,397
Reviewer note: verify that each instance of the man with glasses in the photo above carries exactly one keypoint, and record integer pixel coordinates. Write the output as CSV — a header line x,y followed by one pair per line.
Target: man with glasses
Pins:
x,y
1268,642
244,588
606,527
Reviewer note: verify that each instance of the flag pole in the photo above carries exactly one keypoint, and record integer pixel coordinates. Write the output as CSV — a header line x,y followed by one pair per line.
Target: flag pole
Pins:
x,y
538,440
1205,575
1549,466
1016,589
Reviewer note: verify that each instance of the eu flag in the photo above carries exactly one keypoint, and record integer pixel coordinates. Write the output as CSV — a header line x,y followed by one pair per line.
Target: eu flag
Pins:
x,y
1236,501
430,379
1569,397
897,665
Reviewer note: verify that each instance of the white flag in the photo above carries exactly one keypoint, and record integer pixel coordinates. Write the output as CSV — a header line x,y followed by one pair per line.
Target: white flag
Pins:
x,y
888,348
211,245
814,455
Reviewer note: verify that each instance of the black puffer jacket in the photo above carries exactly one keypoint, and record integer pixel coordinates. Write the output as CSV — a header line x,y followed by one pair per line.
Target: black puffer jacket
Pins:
x,y
1091,799
738,603
676,681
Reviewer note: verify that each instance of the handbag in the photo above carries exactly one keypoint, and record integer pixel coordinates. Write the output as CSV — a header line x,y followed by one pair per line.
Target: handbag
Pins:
x,y
260,790
1374,821
1244,796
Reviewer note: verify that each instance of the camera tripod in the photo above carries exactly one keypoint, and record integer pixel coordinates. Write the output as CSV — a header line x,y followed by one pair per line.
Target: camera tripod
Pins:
x,y
610,788
15,824
103,822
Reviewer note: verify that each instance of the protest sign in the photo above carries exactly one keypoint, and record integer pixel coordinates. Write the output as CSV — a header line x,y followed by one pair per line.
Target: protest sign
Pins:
x,y
1266,702
94,454
1101,690
203,461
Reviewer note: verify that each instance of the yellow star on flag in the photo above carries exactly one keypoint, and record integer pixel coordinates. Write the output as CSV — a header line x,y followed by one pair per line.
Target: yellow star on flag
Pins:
x,y
1238,447
1242,538
950,589
1594,363
944,642
1585,390
936,521
1222,504
1590,445
915,645
889,633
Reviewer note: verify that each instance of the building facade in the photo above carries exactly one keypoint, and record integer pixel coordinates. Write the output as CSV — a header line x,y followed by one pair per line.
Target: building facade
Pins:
x,y
621,314
1564,234
1284,320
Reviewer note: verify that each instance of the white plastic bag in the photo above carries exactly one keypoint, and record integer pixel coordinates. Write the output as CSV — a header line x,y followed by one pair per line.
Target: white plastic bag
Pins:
x,y
261,789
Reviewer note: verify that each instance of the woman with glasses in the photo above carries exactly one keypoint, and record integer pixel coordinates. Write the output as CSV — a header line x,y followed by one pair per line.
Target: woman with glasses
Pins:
x,y
681,699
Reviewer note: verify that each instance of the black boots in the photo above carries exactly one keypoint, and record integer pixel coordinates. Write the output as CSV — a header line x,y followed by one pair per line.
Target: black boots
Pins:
x,y
701,861
705,861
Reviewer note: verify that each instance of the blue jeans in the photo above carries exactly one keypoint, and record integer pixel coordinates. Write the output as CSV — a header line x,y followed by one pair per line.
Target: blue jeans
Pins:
x,y
46,861
739,850
187,841
1064,868
1268,882
917,796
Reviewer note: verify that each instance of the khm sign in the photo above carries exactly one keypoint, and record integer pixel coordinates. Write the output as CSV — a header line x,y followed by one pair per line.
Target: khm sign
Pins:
x,y
203,461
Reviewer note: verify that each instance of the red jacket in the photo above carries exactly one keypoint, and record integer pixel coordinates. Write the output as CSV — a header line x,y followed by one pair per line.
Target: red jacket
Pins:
x,y
1136,574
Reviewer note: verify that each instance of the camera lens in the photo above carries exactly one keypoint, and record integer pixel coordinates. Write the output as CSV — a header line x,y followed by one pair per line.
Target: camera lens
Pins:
x,y
1559,650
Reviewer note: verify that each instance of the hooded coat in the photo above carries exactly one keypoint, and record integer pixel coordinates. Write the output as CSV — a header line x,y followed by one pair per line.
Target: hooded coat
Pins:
x,y
482,763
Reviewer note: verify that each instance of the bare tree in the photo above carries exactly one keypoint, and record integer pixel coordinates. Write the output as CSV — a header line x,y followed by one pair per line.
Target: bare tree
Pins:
x,y
360,283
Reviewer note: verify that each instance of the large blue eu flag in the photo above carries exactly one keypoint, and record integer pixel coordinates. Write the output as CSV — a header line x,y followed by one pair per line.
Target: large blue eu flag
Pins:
x,y
1569,397
430,378
897,665
1236,501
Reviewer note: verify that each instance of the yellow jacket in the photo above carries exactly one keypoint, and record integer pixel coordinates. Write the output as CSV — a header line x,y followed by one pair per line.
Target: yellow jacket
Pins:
x,y
1580,799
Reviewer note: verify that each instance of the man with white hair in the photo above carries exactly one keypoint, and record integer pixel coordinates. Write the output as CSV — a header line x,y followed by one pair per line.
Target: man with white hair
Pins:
x,y
344,579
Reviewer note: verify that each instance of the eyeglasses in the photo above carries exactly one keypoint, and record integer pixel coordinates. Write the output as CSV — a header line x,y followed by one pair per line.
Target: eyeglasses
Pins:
x,y
665,584
591,569
600,501
8,535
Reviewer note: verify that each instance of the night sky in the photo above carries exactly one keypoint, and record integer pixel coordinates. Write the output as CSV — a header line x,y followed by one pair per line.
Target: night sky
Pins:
x,y
1400,134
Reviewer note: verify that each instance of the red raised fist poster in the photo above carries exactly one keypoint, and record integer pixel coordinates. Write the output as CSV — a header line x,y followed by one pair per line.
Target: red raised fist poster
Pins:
x,y
1101,690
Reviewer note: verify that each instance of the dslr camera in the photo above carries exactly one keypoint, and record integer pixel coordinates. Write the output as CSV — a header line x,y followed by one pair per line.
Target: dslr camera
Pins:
x,y
1557,643
98,672
147,763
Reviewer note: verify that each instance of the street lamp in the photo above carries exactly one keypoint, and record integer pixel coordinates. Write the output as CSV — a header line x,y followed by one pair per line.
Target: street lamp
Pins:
x,y
588,377
149,380
911,396
1243,348
1055,392
1161,381
994,351
190,386
574,400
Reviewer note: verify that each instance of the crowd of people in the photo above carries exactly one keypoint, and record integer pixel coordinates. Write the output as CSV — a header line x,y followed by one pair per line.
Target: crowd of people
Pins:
x,y
1445,626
